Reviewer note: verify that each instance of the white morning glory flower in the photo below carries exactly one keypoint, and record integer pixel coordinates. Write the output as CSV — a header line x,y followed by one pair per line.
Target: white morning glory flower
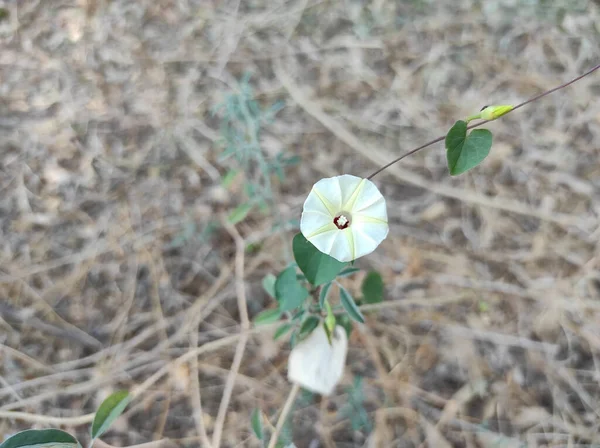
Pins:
x,y
317,365
345,217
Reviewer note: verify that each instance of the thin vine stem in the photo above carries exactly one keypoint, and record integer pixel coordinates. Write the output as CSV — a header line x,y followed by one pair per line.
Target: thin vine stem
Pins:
x,y
518,106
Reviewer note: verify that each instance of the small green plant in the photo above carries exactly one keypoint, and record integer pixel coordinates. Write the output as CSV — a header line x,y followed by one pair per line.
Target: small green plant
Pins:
x,y
344,218
242,121
354,410
292,289
107,413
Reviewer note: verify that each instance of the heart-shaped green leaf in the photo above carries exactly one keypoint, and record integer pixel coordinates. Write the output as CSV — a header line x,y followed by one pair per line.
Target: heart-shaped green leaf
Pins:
x,y
372,288
318,267
44,438
109,411
463,151
289,292
268,284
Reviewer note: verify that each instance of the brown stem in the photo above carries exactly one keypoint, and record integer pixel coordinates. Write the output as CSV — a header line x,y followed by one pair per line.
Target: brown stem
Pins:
x,y
524,103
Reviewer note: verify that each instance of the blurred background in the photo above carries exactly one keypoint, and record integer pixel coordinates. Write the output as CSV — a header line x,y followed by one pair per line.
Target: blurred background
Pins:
x,y
128,129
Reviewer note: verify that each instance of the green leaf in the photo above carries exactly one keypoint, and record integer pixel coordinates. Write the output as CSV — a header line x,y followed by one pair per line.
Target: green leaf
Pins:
x,y
463,151
350,306
348,272
267,317
239,213
297,317
109,411
309,324
289,292
44,438
318,267
281,330
372,288
268,284
483,306
257,426
228,178
253,248
323,294
344,321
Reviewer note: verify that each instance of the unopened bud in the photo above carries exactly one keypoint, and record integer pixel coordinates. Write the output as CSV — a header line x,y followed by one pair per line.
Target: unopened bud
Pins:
x,y
493,112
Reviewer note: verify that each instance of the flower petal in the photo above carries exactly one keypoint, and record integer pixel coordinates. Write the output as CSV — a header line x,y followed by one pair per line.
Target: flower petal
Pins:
x,y
350,187
314,203
324,241
367,236
311,222
342,248
376,211
317,365
368,196
328,192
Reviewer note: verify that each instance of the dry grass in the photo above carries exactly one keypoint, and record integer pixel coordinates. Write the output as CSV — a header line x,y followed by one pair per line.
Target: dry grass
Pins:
x,y
110,274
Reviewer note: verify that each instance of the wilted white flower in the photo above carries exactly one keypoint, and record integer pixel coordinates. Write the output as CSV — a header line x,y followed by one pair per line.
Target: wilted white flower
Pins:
x,y
345,217
317,365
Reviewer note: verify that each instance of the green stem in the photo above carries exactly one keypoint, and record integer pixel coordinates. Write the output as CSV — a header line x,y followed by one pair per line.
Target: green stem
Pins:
x,y
524,103
472,117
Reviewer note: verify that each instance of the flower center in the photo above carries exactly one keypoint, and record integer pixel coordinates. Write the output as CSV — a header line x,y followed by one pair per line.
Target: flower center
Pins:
x,y
342,220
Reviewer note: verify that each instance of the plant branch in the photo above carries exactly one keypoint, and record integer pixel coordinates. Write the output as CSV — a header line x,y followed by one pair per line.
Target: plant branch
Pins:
x,y
524,103
240,248
195,396
287,407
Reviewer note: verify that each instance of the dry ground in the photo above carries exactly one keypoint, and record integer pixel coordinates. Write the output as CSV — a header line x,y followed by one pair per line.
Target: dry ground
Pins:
x,y
113,262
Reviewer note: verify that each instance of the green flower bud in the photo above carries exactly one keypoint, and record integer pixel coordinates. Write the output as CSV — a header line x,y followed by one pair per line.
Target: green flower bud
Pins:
x,y
493,112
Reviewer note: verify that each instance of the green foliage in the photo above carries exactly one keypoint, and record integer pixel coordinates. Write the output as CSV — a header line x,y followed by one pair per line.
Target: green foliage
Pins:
x,y
268,284
45,438
319,268
350,306
355,409
550,10
190,233
289,292
228,178
463,151
239,213
329,321
242,122
267,317
483,306
348,272
309,324
372,288
256,422
281,330
109,411
345,322
323,294
253,248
